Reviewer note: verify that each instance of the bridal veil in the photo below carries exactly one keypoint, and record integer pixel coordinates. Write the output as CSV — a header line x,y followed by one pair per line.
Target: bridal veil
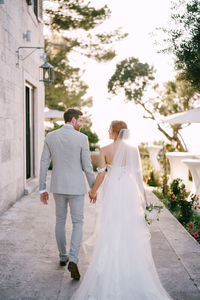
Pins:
x,y
122,267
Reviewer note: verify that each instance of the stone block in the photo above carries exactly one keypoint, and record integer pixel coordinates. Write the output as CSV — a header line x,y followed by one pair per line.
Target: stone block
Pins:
x,y
6,151
6,174
191,262
9,96
9,128
2,128
13,23
2,89
7,197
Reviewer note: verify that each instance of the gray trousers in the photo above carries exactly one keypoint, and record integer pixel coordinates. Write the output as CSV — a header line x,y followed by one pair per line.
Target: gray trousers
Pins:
x,y
76,204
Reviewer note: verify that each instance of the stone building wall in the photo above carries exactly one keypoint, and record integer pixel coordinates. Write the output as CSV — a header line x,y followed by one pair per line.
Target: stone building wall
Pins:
x,y
16,17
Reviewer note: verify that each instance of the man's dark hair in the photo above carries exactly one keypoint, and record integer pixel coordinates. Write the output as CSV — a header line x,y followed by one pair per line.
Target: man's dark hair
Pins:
x,y
70,113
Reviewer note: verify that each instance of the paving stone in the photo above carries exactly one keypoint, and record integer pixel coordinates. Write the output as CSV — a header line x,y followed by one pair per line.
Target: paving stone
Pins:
x,y
29,262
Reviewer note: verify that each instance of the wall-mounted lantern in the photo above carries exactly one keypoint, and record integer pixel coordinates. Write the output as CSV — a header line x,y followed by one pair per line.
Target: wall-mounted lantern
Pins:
x,y
46,69
46,73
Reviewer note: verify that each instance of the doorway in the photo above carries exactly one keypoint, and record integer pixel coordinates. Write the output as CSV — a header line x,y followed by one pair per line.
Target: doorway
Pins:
x,y
29,118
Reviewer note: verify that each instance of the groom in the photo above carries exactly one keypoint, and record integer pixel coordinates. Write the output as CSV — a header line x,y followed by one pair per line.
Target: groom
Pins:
x,y
69,151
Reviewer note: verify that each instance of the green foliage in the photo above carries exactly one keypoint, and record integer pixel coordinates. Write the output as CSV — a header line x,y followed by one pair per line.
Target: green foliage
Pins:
x,y
194,227
86,129
177,202
185,211
176,96
68,90
55,127
165,163
133,77
159,194
70,14
170,147
71,25
183,39
151,213
153,179
146,167
150,176
144,153
92,137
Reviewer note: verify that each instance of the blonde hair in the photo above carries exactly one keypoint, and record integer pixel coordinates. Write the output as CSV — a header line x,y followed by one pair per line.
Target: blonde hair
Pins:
x,y
116,126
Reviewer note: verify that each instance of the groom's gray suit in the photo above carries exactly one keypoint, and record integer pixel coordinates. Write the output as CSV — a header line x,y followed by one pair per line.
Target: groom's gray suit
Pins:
x,y
69,151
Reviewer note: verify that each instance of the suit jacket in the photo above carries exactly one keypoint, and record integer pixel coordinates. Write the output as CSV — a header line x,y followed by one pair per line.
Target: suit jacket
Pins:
x,y
69,151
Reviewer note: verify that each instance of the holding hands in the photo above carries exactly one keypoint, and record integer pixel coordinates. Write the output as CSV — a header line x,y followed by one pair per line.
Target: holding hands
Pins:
x,y
44,197
93,196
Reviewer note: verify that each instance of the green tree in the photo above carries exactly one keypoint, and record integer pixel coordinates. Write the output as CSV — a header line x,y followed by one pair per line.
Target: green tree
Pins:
x,y
183,39
92,136
72,26
86,129
133,77
136,78
68,90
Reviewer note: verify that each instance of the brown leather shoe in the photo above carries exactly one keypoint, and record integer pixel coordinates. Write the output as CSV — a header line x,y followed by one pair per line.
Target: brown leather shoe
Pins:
x,y
64,262
73,269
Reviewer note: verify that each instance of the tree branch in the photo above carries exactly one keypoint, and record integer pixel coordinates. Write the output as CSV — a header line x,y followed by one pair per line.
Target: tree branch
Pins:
x,y
164,132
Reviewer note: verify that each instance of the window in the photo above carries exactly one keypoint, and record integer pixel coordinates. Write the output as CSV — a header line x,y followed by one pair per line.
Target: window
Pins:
x,y
29,111
37,6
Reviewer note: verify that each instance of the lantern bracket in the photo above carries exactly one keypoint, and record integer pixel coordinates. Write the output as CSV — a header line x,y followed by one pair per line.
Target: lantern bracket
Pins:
x,y
47,68
34,49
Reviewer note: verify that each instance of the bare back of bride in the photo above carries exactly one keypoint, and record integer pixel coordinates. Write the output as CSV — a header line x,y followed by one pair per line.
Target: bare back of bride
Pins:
x,y
122,266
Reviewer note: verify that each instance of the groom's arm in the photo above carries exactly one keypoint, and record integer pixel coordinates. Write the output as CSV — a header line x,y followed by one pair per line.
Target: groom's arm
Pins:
x,y
100,176
86,162
44,165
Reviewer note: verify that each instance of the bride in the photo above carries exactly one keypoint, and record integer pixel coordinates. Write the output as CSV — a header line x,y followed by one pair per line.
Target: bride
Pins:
x,y
122,267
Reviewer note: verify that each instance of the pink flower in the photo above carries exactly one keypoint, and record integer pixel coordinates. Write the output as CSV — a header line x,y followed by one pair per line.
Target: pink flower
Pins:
x,y
195,207
191,226
192,195
196,235
173,196
173,200
184,191
197,198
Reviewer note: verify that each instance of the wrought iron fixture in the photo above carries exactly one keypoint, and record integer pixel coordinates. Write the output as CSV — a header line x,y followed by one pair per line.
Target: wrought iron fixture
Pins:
x,y
46,69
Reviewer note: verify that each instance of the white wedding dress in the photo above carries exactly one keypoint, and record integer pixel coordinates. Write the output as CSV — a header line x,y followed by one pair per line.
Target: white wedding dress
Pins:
x,y
122,267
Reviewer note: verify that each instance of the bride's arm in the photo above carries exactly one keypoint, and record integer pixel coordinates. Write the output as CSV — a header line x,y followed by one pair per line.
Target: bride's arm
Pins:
x,y
100,176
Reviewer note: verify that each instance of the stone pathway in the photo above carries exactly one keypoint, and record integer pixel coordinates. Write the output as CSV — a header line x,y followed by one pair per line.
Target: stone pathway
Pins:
x,y
29,268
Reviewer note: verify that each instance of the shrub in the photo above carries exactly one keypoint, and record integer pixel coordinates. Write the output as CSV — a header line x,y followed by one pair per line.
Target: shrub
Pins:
x,y
178,201
182,208
154,179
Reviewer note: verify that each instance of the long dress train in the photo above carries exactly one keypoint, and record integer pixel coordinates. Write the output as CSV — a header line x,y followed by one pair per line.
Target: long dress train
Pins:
x,y
122,267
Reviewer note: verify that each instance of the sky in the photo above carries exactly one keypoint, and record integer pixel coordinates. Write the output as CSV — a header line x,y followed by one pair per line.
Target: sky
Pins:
x,y
140,20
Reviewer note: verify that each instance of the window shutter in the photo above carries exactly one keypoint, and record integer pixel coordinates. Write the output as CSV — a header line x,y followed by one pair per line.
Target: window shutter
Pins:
x,y
40,10
35,7
29,2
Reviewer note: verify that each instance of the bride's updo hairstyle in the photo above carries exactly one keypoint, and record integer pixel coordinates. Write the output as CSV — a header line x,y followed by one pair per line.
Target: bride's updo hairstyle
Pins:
x,y
116,126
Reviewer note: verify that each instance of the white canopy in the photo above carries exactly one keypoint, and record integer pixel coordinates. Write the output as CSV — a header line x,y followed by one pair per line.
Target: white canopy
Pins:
x,y
54,115
189,116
